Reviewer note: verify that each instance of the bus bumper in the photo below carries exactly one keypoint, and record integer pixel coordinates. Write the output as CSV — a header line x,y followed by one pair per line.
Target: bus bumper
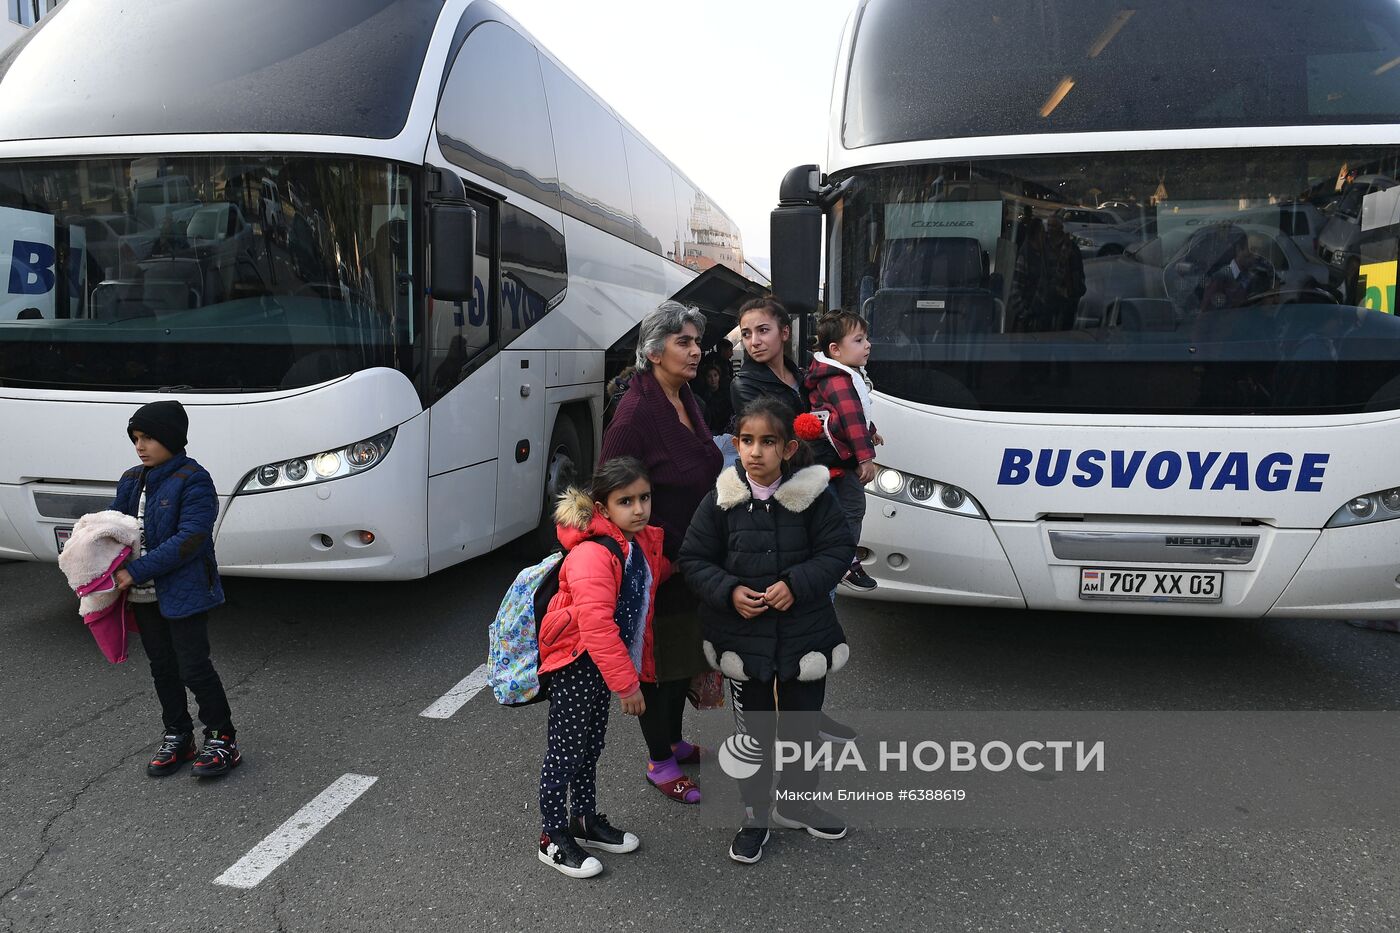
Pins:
x,y
928,556
1249,590
1353,572
925,556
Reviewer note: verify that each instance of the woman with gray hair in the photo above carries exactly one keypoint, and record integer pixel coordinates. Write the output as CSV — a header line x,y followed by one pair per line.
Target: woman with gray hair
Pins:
x,y
659,422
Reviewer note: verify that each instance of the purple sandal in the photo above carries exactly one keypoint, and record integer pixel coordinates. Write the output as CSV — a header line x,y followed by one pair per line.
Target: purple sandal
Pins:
x,y
682,789
692,757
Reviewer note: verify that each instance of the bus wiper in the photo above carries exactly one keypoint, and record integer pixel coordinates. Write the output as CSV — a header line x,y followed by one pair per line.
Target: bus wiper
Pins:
x,y
179,388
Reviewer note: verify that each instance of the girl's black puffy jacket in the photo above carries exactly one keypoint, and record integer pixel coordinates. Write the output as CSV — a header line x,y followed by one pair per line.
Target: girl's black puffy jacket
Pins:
x,y
799,536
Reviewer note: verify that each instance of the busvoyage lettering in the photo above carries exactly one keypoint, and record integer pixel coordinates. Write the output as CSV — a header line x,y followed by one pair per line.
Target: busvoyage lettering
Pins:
x,y
1214,470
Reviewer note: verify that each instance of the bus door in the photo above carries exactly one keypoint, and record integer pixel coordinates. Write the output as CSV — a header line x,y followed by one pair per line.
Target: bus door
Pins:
x,y
525,441
462,386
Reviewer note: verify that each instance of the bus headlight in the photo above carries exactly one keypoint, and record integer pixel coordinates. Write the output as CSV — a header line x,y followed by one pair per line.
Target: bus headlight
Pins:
x,y
926,493
327,464
1372,507
319,467
363,454
920,489
890,482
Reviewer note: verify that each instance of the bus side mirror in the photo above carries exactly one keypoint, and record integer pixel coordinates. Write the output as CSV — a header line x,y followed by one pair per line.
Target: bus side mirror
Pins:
x,y
797,242
453,259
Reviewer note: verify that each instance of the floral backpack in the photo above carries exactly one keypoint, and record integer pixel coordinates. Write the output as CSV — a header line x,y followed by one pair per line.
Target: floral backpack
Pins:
x,y
513,657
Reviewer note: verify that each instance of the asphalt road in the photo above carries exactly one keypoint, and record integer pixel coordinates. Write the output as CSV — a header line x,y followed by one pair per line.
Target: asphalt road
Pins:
x,y
328,680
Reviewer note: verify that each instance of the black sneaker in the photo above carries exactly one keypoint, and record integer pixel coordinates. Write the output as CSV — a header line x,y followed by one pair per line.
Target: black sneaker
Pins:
x,y
748,843
175,749
815,820
558,850
218,756
857,579
597,833
829,730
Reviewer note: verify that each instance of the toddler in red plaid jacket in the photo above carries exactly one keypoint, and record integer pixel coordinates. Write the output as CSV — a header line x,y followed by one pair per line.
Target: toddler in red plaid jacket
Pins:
x,y
839,393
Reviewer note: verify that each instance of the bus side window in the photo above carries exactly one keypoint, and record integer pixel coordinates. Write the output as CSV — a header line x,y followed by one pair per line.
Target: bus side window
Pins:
x,y
462,334
533,270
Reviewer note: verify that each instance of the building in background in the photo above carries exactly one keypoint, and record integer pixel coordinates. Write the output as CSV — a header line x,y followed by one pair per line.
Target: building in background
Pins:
x,y
22,15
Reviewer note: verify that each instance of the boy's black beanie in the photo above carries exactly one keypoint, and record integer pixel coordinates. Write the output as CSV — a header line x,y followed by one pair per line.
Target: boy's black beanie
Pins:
x,y
165,420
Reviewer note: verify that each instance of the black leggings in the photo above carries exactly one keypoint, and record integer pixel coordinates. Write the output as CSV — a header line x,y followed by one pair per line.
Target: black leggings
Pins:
x,y
661,723
767,710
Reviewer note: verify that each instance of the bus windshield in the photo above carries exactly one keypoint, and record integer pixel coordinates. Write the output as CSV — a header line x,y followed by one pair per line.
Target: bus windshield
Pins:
x,y
203,273
938,69
1216,281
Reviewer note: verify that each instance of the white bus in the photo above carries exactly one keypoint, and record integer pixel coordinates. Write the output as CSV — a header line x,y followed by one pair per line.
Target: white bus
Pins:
x,y
1194,422
269,211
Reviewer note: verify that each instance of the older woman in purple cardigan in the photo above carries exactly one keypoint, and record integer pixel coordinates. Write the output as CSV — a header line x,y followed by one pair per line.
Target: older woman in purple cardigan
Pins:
x,y
661,423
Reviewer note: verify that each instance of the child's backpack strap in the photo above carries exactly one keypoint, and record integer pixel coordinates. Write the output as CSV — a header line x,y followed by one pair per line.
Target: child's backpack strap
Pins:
x,y
551,586
615,549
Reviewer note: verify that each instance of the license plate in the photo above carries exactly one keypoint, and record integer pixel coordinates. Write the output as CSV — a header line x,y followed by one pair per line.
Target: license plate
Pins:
x,y
61,534
1192,586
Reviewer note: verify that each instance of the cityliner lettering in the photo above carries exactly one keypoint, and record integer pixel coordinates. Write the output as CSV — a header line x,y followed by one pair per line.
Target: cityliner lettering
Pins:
x,y
1213,470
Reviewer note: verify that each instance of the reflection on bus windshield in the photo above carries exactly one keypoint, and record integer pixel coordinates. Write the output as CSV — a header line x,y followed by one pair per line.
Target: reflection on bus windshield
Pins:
x,y
1213,281
236,273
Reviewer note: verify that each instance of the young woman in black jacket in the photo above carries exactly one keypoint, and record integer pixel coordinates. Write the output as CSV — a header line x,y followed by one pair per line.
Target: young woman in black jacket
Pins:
x,y
764,551
765,329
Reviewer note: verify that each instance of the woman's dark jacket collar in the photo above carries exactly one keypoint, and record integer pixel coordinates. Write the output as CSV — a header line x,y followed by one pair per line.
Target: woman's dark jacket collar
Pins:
x,y
762,372
756,380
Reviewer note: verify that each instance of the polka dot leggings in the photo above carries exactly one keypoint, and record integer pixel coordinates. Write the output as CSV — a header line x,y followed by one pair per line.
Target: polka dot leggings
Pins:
x,y
578,722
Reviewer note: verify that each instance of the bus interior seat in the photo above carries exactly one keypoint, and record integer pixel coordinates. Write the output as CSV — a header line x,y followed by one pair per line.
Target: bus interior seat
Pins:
x,y
932,287
388,243
168,295
173,285
948,262
1145,314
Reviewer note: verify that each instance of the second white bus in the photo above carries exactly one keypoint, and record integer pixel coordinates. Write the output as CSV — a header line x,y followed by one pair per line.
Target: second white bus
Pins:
x,y
1114,372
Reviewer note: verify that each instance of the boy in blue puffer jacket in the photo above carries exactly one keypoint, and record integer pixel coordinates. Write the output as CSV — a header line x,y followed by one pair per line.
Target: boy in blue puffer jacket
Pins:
x,y
172,584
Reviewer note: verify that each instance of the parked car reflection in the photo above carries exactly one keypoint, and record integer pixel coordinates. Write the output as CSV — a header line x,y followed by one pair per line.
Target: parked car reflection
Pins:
x,y
1177,282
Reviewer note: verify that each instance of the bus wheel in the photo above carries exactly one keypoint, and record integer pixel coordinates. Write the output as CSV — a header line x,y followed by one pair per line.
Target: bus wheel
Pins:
x,y
563,467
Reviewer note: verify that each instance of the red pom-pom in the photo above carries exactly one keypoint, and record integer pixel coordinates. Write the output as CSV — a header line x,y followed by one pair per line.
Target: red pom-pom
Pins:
x,y
807,426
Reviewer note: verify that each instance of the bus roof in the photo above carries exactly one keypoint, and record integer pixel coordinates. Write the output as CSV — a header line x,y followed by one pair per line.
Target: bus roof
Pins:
x,y
916,71
93,68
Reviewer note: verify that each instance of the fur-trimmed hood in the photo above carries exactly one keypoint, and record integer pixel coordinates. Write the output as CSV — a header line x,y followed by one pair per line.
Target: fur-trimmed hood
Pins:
x,y
576,520
796,494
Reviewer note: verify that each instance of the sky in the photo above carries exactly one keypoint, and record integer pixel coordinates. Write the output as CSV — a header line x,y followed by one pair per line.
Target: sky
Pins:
x,y
734,93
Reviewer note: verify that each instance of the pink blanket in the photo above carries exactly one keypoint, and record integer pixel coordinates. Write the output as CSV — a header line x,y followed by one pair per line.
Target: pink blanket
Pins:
x,y
109,625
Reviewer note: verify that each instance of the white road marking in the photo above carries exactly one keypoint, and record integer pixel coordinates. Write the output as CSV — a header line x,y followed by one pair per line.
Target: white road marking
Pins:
x,y
283,842
457,697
